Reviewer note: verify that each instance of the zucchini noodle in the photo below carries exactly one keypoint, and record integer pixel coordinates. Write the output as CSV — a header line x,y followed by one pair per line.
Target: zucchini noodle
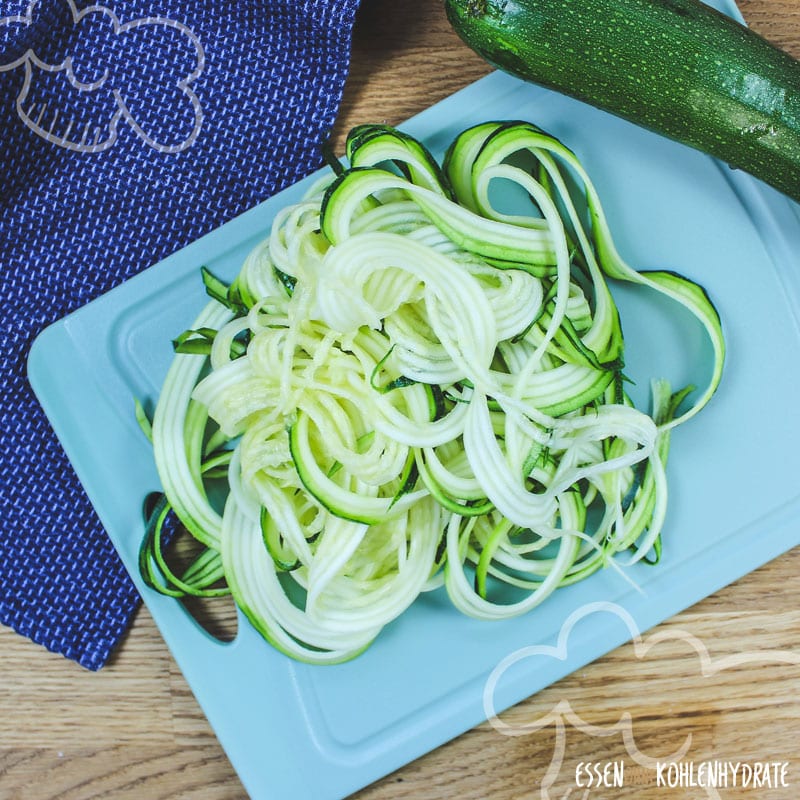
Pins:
x,y
408,387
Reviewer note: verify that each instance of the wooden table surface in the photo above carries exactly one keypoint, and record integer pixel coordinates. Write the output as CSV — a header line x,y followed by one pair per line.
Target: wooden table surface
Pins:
x,y
134,730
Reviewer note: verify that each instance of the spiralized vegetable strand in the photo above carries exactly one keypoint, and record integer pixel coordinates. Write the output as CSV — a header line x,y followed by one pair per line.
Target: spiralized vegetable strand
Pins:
x,y
408,388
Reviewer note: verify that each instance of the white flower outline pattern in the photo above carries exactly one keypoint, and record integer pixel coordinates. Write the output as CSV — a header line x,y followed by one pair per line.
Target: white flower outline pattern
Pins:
x,y
33,116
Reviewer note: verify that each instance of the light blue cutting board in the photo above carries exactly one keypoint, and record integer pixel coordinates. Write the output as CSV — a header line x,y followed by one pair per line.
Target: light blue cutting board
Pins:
x,y
297,731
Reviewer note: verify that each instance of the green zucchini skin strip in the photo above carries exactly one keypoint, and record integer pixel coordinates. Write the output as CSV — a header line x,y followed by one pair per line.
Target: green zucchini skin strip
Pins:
x,y
511,137
484,237
197,580
406,388
370,145
177,439
339,501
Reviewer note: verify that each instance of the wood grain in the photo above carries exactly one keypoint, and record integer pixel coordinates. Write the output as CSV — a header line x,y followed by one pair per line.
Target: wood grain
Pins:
x,y
133,730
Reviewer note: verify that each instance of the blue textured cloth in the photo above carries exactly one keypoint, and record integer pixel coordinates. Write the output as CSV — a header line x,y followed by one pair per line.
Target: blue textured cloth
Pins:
x,y
127,131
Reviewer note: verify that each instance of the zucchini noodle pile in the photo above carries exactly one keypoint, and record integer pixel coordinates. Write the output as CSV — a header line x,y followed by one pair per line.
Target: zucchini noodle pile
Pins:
x,y
408,386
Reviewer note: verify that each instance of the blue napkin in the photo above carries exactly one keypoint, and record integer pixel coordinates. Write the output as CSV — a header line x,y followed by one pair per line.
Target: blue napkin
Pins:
x,y
127,130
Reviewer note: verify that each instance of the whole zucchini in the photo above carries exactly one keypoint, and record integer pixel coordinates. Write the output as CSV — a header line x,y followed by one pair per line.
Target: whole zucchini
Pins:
x,y
677,67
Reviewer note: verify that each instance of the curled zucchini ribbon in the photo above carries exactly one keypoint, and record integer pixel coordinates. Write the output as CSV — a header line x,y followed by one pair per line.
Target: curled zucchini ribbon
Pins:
x,y
419,382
